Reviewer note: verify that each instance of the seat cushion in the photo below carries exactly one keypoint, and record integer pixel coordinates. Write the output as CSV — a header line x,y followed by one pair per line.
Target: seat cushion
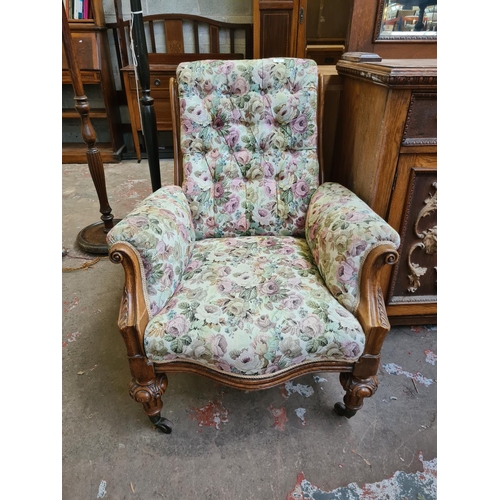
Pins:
x,y
251,306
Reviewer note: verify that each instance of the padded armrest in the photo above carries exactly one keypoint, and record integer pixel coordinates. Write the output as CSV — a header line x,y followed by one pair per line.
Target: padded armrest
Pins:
x,y
341,230
161,231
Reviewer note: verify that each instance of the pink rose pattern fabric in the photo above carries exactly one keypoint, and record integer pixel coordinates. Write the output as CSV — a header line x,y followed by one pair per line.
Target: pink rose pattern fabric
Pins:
x,y
160,229
248,139
251,306
286,292
340,231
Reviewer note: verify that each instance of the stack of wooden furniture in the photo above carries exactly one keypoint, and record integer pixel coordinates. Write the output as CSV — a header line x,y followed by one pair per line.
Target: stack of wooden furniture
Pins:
x,y
163,59
90,41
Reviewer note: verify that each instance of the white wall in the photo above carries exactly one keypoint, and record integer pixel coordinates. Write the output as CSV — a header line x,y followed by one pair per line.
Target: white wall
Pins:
x,y
233,11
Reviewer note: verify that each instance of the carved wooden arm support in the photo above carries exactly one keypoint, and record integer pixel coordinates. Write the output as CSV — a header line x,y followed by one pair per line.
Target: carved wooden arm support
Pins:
x,y
133,317
371,312
146,386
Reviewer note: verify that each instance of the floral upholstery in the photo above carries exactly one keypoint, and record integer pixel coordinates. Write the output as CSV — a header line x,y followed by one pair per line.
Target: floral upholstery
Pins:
x,y
251,267
248,139
251,306
341,230
161,232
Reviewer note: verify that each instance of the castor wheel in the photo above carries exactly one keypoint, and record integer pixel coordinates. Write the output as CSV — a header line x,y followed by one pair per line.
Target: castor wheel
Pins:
x,y
341,410
162,424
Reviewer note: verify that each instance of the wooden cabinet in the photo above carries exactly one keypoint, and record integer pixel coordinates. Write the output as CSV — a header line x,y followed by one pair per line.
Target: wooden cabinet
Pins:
x,y
386,152
279,28
301,28
90,41
160,75
326,30
412,288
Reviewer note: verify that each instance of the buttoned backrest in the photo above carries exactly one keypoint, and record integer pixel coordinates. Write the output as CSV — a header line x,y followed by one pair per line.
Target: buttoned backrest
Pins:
x,y
249,144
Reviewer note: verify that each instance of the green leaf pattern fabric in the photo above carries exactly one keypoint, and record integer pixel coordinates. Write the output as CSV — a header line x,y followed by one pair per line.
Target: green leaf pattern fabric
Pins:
x,y
252,306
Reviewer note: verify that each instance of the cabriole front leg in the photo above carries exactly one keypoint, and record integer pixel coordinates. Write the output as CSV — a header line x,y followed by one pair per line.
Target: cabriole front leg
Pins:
x,y
149,394
357,389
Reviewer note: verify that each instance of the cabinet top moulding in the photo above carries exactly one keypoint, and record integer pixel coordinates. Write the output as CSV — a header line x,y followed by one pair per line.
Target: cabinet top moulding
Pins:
x,y
418,74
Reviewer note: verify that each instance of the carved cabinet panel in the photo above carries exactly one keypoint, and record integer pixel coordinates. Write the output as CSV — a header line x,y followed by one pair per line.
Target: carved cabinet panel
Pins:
x,y
413,212
421,121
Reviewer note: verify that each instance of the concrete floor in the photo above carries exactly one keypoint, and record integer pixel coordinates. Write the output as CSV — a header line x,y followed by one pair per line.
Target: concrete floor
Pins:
x,y
278,444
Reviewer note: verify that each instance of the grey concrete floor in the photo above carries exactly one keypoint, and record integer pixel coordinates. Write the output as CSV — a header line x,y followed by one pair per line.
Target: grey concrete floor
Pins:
x,y
279,444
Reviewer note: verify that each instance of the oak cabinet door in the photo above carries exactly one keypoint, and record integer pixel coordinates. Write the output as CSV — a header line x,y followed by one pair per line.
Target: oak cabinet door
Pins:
x,y
413,212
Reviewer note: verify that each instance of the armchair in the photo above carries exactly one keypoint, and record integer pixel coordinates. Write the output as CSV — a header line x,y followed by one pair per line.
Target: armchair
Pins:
x,y
250,270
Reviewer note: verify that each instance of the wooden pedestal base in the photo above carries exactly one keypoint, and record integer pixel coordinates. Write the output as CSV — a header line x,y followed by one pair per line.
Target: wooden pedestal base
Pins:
x,y
92,239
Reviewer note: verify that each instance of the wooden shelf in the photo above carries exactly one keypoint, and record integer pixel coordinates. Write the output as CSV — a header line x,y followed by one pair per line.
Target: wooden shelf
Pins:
x,y
94,113
73,152
325,48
